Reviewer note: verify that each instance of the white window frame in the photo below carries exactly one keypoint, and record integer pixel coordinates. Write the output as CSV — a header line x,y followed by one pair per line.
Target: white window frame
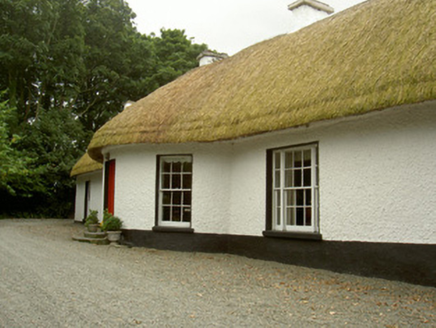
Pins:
x,y
184,208
300,211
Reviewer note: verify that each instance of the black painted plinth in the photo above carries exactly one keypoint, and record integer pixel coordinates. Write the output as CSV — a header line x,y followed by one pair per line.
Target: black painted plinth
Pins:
x,y
413,263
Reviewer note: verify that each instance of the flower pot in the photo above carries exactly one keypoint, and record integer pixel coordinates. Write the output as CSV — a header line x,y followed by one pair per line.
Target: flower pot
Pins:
x,y
93,227
113,236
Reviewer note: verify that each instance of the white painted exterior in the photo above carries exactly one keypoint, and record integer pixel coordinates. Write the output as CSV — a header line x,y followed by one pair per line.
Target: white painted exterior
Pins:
x,y
305,15
96,188
206,60
377,180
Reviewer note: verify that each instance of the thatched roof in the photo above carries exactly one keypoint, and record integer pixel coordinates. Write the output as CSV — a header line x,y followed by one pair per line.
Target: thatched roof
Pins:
x,y
85,165
375,55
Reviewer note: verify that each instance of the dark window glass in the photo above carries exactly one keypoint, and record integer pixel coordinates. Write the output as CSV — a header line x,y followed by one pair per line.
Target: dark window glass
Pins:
x,y
308,216
176,214
307,177
187,181
176,183
166,181
166,213
166,198
166,167
186,214
177,197
308,197
300,216
186,198
300,197
187,167
297,178
177,167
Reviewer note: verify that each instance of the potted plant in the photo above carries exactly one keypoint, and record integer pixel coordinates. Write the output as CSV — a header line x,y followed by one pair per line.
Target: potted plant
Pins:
x,y
112,226
91,221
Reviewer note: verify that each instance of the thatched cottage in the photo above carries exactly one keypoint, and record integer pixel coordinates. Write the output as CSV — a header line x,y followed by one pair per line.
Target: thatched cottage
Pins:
x,y
315,148
89,187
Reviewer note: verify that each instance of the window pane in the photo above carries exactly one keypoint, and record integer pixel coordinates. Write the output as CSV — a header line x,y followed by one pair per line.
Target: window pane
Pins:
x,y
176,214
166,198
290,216
177,198
277,160
307,158
177,167
297,178
166,167
307,177
166,213
187,181
187,167
300,197
308,197
165,181
297,159
186,198
186,214
288,179
288,160
300,216
175,181
290,197
308,216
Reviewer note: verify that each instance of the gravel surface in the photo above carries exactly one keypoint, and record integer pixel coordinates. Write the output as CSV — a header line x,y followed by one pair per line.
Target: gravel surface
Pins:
x,y
49,280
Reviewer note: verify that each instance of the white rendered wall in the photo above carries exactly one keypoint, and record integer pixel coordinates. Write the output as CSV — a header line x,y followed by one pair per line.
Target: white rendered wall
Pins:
x,y
376,178
95,189
135,184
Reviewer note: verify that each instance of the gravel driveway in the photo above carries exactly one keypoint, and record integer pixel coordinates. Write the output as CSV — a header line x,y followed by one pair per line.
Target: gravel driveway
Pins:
x,y
49,280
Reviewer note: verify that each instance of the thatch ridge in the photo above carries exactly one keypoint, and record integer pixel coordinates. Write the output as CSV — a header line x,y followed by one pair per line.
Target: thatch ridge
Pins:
x,y
85,165
376,55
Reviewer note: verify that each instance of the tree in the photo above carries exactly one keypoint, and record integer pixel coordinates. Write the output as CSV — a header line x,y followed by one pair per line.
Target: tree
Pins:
x,y
68,66
16,176
176,55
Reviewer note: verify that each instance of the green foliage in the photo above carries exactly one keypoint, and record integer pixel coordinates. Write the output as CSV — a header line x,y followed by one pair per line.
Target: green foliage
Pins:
x,y
92,218
176,55
68,67
16,174
110,222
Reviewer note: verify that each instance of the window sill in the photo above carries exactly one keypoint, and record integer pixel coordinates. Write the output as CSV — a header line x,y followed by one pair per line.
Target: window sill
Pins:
x,y
172,229
292,235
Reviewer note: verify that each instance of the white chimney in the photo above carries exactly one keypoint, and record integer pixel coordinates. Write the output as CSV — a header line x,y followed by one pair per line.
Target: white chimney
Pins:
x,y
208,57
128,103
307,12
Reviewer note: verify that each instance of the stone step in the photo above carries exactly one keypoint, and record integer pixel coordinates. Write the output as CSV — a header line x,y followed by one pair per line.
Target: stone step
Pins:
x,y
95,241
96,235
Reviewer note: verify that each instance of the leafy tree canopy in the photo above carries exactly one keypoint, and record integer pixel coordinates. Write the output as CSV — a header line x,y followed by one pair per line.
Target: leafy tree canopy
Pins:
x,y
67,67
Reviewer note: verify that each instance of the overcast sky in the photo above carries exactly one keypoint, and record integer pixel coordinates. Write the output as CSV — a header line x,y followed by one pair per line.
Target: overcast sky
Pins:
x,y
226,25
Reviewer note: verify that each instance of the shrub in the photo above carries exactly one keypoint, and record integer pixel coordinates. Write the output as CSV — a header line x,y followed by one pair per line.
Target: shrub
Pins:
x,y
110,222
92,218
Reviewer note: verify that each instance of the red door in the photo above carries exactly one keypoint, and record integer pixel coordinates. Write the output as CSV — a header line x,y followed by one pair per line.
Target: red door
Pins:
x,y
109,199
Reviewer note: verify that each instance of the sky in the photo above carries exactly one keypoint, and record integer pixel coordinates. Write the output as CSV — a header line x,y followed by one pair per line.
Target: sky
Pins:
x,y
225,25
